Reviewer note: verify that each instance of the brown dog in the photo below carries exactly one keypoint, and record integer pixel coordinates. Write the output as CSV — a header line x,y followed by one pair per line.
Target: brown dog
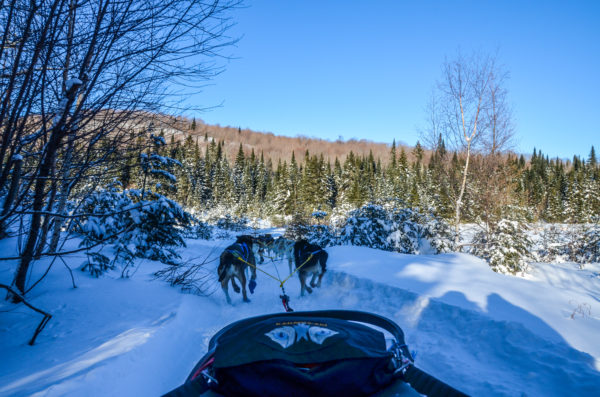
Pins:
x,y
233,263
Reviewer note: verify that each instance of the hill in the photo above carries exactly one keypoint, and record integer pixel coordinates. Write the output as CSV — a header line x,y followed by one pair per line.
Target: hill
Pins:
x,y
273,146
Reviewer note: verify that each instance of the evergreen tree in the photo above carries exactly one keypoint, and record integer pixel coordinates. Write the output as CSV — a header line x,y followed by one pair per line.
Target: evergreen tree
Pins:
x,y
592,159
238,177
393,155
282,198
293,181
331,188
506,247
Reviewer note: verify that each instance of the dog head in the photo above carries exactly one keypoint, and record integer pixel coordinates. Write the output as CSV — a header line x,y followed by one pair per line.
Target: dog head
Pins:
x,y
264,240
245,239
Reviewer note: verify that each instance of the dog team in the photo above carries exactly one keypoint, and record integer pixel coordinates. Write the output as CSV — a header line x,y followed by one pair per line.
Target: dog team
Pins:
x,y
310,261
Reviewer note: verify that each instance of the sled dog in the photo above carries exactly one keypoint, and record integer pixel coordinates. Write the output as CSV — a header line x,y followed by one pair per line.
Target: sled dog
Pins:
x,y
283,248
310,260
233,262
262,246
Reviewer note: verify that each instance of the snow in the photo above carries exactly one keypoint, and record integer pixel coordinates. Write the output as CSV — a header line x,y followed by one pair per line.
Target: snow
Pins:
x,y
71,82
482,332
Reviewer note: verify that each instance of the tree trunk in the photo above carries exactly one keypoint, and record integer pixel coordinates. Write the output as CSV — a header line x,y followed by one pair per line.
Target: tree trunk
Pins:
x,y
49,155
11,195
63,195
47,217
38,203
460,196
14,186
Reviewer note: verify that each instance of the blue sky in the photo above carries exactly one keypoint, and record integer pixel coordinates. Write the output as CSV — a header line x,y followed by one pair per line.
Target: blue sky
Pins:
x,y
365,69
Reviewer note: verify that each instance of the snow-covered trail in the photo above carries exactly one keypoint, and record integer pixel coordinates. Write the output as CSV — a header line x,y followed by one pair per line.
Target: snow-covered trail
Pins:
x,y
113,337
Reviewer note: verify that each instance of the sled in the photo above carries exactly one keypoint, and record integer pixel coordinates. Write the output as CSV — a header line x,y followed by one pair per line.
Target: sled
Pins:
x,y
311,353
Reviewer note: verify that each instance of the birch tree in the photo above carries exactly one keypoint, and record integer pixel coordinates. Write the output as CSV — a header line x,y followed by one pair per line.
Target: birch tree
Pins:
x,y
463,101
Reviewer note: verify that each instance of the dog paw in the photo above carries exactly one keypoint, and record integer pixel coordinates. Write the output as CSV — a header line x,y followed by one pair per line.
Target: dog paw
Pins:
x,y
247,300
252,285
309,290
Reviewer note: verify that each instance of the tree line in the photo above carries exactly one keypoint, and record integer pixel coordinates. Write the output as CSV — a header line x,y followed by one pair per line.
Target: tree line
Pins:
x,y
502,186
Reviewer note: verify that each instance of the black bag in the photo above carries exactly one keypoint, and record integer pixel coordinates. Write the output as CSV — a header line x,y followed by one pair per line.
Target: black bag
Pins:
x,y
321,353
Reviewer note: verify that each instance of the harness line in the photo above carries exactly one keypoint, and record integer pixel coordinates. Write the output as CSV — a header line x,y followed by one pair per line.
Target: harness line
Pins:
x,y
298,268
285,299
239,257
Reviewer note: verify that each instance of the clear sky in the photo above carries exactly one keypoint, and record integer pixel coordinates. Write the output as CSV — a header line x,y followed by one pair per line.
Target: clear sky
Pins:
x,y
365,69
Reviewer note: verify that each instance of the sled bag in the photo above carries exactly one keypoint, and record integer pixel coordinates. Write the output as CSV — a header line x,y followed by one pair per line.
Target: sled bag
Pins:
x,y
300,356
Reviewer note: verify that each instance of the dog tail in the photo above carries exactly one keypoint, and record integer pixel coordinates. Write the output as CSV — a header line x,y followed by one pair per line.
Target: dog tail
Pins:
x,y
221,269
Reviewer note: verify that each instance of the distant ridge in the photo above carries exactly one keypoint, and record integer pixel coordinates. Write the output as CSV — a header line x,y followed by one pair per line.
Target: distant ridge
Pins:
x,y
274,147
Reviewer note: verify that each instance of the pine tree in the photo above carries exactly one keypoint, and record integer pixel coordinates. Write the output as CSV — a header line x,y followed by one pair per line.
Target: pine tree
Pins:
x,y
282,198
403,183
238,177
506,247
592,158
331,195
293,176
393,155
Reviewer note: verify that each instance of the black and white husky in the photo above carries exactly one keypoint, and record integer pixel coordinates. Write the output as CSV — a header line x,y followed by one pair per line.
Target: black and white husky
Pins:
x,y
233,263
310,261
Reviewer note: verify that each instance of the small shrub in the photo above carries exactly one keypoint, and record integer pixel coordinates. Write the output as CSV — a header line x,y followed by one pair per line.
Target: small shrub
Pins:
x,y
134,228
199,230
230,222
322,235
506,247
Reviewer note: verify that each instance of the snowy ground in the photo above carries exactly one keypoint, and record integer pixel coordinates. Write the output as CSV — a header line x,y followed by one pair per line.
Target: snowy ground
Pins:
x,y
484,333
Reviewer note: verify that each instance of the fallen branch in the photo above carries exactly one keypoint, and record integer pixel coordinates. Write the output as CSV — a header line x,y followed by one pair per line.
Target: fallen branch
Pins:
x,y
18,298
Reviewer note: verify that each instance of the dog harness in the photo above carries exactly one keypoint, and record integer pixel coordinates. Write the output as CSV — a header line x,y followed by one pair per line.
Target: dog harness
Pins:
x,y
241,253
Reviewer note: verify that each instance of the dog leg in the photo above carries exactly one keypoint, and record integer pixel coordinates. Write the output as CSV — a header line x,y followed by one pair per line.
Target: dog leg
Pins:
x,y
243,282
320,278
234,285
224,286
313,280
302,278
303,286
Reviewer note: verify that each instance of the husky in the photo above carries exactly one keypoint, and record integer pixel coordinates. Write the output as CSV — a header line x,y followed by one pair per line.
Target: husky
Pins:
x,y
283,248
233,263
262,246
310,260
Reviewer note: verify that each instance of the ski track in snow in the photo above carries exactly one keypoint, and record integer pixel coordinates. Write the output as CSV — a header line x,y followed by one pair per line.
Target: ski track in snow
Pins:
x,y
150,347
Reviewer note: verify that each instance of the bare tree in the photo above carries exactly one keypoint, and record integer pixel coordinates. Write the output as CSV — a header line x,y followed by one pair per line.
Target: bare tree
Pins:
x,y
469,110
76,78
498,134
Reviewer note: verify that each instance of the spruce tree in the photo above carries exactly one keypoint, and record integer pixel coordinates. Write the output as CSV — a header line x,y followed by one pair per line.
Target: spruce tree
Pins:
x,y
238,176
592,158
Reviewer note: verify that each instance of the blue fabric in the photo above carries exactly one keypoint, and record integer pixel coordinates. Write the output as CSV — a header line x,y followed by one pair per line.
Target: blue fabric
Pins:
x,y
242,251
